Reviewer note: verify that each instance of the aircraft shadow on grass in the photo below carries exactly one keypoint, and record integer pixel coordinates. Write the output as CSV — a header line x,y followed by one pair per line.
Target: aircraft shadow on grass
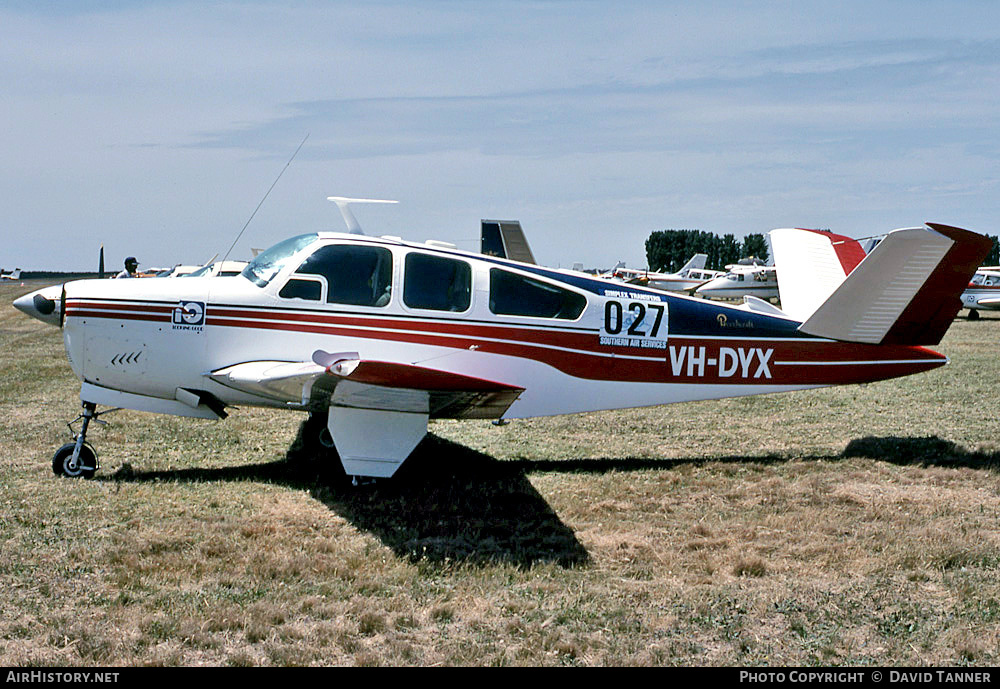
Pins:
x,y
928,451
450,503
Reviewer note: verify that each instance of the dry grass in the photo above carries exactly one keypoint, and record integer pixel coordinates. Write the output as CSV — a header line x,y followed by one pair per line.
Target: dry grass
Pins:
x,y
845,526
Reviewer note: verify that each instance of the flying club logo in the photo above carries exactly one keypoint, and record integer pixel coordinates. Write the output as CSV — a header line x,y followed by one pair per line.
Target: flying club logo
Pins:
x,y
189,315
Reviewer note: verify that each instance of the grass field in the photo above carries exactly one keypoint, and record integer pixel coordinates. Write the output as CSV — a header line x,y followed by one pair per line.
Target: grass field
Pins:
x,y
845,526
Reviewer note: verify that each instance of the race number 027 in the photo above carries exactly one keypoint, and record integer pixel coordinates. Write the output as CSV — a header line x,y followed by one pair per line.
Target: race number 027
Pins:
x,y
614,317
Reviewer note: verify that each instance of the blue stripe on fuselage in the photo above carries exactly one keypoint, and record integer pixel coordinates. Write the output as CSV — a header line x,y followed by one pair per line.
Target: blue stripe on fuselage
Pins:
x,y
688,316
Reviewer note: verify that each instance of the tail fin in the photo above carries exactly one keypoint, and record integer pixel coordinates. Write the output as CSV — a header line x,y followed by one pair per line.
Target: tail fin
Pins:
x,y
505,238
811,265
906,291
697,262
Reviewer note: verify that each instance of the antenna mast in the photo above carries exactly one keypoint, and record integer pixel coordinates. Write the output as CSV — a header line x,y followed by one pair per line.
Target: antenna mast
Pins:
x,y
265,197
344,204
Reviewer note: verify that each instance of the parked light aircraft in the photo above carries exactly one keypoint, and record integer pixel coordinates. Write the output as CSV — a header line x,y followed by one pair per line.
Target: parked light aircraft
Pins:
x,y
691,276
746,278
13,275
380,335
983,291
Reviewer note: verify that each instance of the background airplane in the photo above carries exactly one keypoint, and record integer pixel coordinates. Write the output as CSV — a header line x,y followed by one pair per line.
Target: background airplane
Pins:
x,y
216,269
13,275
379,335
983,291
746,278
691,276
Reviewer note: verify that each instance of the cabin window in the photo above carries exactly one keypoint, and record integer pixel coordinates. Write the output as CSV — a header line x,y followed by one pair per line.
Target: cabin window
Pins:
x,y
299,288
437,283
516,295
265,266
354,274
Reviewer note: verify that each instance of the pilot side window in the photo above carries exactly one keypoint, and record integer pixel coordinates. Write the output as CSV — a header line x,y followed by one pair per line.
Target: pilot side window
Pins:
x,y
298,288
354,274
516,295
437,283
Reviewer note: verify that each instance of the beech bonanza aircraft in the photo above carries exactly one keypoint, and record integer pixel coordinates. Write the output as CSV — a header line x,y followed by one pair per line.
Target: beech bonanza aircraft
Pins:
x,y
380,335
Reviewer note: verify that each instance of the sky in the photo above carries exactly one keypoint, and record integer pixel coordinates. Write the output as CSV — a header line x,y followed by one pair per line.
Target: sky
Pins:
x,y
156,128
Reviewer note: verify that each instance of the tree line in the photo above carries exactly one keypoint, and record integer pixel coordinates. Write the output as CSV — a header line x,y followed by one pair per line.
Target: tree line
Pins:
x,y
668,250
994,258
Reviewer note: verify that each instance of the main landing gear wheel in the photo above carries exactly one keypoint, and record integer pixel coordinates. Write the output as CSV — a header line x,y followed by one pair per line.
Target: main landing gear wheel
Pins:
x,y
973,315
83,466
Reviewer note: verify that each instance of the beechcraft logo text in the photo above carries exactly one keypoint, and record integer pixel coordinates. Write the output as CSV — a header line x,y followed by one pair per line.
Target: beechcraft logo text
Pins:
x,y
189,315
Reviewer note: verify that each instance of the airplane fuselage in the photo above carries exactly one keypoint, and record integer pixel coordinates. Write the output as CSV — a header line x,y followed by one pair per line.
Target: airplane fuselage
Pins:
x,y
623,346
983,291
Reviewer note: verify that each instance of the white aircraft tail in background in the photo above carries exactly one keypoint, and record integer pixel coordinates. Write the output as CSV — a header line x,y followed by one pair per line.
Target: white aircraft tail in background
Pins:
x,y
506,239
15,275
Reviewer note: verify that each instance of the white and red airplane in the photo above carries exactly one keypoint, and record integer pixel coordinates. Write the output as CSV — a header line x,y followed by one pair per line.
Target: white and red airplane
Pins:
x,y
380,335
983,291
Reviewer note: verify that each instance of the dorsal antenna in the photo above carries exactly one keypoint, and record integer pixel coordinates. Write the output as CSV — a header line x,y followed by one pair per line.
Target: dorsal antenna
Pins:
x,y
344,203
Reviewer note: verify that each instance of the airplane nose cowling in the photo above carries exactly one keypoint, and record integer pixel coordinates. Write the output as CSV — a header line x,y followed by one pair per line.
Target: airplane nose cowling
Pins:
x,y
44,304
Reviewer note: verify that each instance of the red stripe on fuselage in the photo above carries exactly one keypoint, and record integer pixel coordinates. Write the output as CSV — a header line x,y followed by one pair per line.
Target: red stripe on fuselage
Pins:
x,y
539,335
687,359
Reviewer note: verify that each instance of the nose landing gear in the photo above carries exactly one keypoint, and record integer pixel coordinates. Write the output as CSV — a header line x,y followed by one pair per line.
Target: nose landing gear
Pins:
x,y
78,459
73,463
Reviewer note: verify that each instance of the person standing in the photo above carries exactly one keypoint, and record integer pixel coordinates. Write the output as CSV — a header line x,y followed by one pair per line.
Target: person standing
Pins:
x,y
130,267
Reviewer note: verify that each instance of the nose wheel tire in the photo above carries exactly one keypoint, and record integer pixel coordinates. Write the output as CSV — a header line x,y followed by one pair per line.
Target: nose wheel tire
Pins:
x,y
84,467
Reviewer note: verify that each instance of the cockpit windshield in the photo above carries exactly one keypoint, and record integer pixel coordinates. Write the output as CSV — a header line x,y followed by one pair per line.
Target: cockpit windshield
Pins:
x,y
269,263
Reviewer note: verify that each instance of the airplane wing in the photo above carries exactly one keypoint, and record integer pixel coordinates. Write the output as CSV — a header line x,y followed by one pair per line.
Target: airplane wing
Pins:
x,y
346,380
